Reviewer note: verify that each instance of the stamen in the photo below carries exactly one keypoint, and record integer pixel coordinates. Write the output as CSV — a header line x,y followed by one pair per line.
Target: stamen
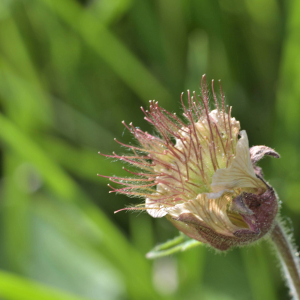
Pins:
x,y
223,105
229,124
218,133
215,97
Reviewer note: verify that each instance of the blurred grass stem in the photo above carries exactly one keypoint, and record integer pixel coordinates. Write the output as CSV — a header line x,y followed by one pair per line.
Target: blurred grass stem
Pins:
x,y
289,259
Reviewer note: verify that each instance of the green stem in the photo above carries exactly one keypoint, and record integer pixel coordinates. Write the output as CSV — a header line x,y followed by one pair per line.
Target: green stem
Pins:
x,y
289,259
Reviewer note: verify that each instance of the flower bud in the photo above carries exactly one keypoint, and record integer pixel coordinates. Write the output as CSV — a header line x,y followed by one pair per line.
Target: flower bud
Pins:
x,y
200,174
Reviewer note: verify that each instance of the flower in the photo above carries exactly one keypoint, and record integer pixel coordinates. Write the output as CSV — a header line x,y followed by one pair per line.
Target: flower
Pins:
x,y
200,173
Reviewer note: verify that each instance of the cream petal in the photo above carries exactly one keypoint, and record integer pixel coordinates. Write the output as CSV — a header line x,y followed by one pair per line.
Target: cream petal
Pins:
x,y
154,209
218,118
217,195
211,212
240,173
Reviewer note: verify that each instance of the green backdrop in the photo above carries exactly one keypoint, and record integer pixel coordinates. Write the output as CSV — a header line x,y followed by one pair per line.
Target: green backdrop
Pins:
x,y
70,72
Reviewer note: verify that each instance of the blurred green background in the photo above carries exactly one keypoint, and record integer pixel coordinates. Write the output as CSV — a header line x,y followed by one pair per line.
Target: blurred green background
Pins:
x,y
70,72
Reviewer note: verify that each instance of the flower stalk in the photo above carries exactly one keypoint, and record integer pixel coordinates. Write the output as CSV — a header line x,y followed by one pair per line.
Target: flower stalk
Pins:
x,y
289,258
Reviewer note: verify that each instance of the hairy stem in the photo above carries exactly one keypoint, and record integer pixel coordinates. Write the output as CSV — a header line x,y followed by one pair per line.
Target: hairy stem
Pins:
x,y
289,259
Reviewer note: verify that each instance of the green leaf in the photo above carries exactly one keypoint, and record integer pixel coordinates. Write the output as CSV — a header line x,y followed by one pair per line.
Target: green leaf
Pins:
x,y
101,230
178,244
17,288
111,49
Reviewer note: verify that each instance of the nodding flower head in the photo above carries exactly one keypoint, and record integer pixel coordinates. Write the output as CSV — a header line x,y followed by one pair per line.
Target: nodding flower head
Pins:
x,y
200,173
